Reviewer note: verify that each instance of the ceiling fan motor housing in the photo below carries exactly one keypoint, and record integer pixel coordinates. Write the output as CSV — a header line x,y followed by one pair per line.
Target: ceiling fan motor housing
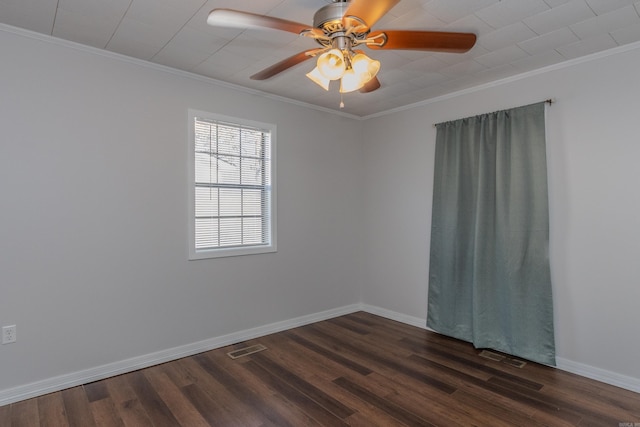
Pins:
x,y
329,20
329,17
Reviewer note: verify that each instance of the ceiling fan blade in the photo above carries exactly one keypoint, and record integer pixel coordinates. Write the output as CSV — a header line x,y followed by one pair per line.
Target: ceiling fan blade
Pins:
x,y
285,64
366,12
433,41
238,19
370,86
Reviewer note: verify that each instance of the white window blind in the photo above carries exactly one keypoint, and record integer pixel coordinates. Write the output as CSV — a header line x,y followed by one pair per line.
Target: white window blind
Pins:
x,y
232,188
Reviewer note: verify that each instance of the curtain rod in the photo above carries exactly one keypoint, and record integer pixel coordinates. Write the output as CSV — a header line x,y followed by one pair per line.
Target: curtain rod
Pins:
x,y
547,101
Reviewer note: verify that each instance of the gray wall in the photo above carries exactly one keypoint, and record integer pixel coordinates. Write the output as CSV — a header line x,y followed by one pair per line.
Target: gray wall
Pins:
x,y
93,224
593,150
93,216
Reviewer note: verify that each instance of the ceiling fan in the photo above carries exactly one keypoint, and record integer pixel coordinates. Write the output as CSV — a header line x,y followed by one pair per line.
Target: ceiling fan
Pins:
x,y
339,28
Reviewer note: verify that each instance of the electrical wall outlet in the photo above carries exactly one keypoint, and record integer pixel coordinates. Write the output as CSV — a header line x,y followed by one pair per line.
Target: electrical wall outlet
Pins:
x,y
9,334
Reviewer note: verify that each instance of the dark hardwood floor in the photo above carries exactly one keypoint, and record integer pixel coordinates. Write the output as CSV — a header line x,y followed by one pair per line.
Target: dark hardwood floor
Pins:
x,y
359,370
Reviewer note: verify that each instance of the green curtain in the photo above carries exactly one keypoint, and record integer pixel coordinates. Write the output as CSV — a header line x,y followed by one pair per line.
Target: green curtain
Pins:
x,y
489,277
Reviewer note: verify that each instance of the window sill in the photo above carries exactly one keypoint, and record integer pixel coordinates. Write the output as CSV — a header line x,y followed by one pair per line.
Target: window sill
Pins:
x,y
229,252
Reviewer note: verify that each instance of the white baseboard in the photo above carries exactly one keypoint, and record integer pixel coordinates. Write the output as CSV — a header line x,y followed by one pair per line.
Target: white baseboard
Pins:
x,y
602,375
581,369
73,379
393,315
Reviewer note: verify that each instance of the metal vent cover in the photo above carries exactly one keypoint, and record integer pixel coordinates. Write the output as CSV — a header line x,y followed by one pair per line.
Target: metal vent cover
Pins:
x,y
491,355
514,362
496,357
246,351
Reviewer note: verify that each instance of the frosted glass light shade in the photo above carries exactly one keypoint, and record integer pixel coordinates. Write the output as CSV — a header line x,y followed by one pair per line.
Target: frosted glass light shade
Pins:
x,y
331,64
350,81
316,76
365,67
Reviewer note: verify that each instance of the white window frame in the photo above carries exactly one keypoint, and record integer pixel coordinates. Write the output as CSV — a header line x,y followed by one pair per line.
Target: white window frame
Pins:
x,y
270,246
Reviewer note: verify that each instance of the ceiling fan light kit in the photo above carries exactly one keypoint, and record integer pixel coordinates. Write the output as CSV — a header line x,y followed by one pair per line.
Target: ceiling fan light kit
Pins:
x,y
339,27
353,70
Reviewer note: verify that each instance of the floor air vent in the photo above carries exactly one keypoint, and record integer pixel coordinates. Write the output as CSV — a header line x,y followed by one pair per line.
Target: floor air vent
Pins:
x,y
496,357
491,355
514,362
246,351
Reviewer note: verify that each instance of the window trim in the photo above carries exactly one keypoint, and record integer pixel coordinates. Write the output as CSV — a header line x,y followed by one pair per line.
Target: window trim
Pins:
x,y
196,254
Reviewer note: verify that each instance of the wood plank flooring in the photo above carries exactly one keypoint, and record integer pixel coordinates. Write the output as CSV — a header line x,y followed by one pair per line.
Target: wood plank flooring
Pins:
x,y
357,370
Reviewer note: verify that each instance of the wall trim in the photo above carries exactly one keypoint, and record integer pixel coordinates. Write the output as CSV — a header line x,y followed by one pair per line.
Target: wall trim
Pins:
x,y
86,376
598,374
209,80
164,68
538,71
418,322
591,372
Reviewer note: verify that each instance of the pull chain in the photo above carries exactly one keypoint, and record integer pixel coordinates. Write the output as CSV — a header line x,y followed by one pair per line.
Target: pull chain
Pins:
x,y
341,101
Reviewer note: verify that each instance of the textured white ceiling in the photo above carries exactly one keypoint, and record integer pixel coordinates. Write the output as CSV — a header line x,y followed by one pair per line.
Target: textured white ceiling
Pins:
x,y
514,36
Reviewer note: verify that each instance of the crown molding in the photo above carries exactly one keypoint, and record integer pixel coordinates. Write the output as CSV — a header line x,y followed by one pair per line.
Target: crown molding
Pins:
x,y
218,83
559,66
163,68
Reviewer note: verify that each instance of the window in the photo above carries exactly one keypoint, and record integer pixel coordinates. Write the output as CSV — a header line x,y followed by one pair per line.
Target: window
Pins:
x,y
232,203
